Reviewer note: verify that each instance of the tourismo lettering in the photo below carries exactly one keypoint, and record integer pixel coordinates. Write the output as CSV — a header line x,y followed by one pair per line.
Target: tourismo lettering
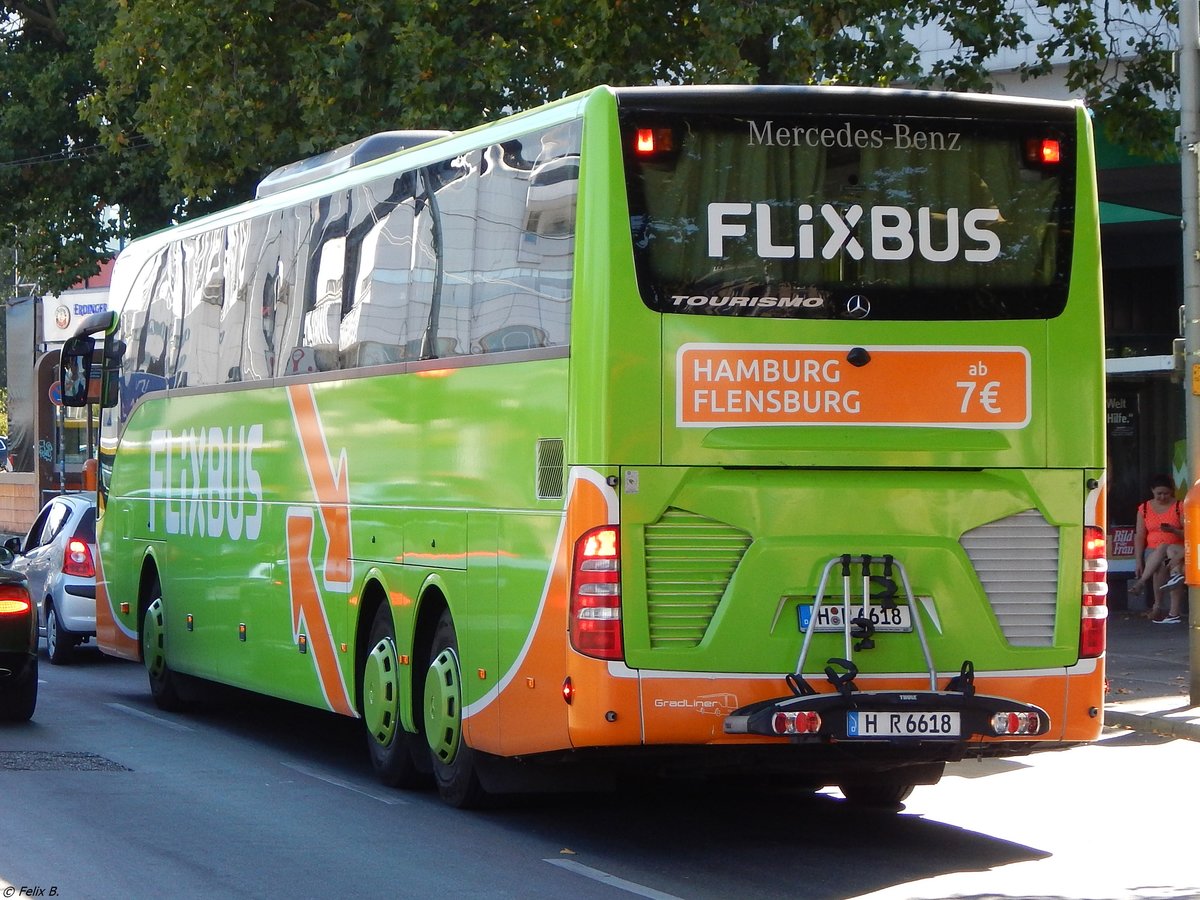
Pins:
x,y
206,482
893,232
718,301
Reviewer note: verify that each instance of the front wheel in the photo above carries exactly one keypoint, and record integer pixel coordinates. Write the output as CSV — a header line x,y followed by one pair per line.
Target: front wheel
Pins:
x,y
392,749
164,683
453,760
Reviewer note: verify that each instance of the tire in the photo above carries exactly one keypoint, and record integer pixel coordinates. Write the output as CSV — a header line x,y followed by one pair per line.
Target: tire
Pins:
x,y
165,685
392,749
454,769
60,643
887,792
18,697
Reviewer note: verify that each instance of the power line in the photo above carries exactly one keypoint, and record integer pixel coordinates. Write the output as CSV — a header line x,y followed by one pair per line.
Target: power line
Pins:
x,y
67,155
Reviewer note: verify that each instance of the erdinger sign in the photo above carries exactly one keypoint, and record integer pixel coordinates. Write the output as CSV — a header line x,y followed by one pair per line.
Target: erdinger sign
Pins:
x,y
61,314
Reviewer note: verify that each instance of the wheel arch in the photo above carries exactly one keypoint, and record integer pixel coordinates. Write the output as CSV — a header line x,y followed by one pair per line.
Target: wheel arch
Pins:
x,y
149,577
372,596
413,638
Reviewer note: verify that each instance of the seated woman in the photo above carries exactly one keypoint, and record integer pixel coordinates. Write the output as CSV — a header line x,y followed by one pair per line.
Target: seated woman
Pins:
x,y
1158,549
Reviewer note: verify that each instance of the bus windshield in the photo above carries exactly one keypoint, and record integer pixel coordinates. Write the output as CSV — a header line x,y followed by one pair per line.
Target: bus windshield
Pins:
x,y
798,215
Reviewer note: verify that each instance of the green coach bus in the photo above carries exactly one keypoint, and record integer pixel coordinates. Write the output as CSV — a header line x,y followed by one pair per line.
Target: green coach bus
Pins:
x,y
671,429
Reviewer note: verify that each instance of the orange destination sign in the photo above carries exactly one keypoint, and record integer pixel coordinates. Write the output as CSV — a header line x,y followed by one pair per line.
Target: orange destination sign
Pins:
x,y
727,385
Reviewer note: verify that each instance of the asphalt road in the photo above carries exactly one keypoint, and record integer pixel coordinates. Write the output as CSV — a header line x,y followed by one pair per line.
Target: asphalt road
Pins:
x,y
103,795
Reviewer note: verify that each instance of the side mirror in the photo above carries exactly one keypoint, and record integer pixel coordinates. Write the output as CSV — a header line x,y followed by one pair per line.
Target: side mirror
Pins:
x,y
75,370
6,555
12,547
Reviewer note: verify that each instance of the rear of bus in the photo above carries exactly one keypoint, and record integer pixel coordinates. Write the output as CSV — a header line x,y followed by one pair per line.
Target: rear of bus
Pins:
x,y
848,390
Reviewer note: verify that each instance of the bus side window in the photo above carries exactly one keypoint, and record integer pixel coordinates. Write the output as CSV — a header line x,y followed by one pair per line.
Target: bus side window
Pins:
x,y
204,297
524,250
378,254
324,283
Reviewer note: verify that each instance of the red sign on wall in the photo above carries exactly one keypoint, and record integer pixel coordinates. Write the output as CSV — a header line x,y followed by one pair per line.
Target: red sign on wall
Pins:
x,y
1120,542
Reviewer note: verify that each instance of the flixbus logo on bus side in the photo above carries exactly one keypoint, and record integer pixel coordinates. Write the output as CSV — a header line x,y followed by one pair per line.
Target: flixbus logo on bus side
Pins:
x,y
204,482
892,232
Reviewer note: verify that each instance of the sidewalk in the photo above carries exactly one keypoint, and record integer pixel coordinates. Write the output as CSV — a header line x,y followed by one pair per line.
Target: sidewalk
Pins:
x,y
1148,669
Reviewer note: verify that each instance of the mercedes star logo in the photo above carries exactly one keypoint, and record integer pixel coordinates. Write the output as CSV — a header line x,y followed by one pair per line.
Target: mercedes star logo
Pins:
x,y
858,307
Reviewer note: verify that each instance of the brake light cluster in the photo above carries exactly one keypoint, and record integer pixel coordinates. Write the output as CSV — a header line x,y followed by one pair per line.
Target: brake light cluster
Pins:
x,y
807,722
1094,609
652,141
14,600
77,560
595,620
1016,723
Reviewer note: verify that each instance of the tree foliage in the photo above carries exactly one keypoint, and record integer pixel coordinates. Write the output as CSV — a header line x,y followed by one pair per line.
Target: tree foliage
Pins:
x,y
167,108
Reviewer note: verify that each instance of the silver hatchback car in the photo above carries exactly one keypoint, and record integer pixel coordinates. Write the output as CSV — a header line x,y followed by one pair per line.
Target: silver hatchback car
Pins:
x,y
58,559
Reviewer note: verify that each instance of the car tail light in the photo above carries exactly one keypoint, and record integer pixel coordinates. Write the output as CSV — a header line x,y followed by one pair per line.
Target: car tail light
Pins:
x,y
14,600
78,559
595,623
1094,609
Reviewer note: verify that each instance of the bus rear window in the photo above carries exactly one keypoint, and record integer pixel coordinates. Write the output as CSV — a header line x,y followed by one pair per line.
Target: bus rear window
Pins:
x,y
850,216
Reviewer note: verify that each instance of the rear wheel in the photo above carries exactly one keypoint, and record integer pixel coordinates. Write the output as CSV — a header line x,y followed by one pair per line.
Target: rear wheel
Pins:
x,y
18,697
886,792
164,683
60,643
453,760
392,748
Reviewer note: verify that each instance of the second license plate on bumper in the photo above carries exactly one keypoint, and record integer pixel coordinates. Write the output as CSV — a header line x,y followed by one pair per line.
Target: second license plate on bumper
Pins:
x,y
830,617
927,725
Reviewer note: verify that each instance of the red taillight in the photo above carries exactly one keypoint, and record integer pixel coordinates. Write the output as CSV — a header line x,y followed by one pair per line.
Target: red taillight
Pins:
x,y
796,722
653,141
78,559
1043,152
1016,723
1094,609
14,600
595,624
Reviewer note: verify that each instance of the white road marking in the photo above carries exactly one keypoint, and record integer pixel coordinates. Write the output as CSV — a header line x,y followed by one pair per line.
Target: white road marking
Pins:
x,y
157,720
382,797
631,887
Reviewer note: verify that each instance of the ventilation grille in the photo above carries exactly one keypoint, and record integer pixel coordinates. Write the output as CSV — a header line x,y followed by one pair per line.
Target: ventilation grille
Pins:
x,y
689,561
1016,560
550,468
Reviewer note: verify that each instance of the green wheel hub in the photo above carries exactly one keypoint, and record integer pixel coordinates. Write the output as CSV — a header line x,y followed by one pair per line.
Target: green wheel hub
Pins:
x,y
381,693
443,706
152,640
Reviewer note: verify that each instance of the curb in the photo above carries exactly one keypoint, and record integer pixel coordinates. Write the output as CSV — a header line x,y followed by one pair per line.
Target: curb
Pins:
x,y
1186,729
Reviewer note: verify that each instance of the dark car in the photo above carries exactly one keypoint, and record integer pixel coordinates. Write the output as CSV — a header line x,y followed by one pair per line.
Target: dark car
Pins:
x,y
18,645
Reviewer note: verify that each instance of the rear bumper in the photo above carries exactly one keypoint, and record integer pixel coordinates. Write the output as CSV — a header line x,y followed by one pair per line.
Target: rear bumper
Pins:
x,y
888,716
76,604
13,665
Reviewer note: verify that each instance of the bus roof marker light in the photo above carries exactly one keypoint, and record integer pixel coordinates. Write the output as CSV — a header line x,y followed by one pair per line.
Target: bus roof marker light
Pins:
x,y
1043,152
652,141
